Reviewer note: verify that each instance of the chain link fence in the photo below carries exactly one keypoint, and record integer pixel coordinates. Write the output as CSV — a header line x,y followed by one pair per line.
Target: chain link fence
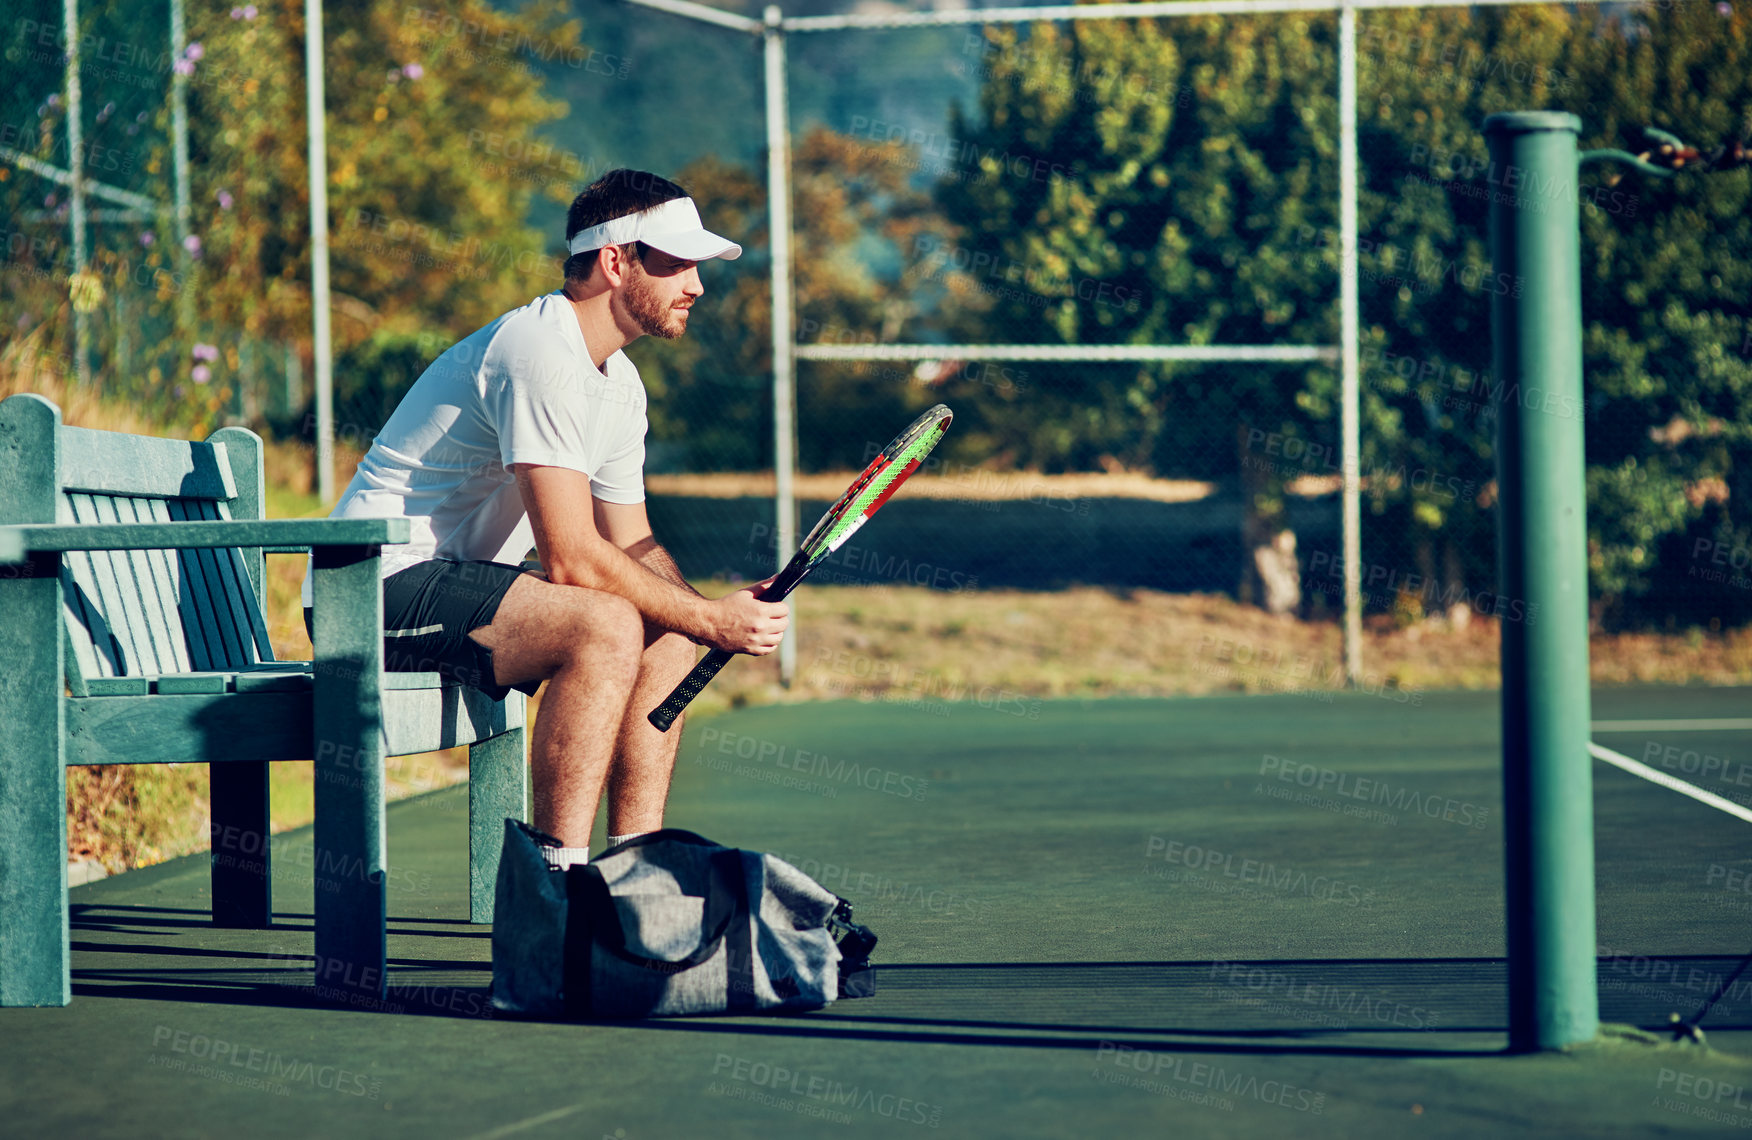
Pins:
x,y
1089,185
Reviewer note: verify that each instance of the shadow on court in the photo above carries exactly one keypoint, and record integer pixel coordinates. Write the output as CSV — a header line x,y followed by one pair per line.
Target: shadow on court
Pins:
x,y
1229,917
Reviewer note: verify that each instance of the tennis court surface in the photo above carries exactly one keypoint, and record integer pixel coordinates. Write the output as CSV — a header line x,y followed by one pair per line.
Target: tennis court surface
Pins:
x,y
1248,916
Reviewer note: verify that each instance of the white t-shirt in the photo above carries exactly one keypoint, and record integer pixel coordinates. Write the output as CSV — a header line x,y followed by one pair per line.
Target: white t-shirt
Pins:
x,y
521,390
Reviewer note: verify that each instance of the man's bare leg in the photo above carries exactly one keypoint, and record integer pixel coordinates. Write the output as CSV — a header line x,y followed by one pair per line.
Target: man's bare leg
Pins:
x,y
644,757
588,645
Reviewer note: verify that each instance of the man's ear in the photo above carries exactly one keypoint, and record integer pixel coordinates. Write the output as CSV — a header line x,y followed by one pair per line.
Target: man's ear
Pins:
x,y
612,260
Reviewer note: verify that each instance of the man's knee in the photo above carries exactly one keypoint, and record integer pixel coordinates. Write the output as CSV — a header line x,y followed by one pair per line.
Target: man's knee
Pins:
x,y
609,628
670,653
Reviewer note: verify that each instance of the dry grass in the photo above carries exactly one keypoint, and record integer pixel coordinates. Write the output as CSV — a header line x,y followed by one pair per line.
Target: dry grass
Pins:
x,y
888,643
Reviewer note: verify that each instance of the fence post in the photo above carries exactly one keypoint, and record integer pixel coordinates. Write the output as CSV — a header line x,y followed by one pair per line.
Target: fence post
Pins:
x,y
784,340
1548,794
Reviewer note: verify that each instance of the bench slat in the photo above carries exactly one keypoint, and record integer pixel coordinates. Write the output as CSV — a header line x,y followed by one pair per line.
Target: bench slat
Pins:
x,y
117,686
223,647
240,586
196,609
200,729
225,569
81,621
143,648
164,635
296,534
112,463
218,728
166,585
108,595
180,574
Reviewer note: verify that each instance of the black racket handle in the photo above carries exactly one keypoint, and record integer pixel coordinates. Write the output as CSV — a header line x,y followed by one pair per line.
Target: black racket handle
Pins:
x,y
664,714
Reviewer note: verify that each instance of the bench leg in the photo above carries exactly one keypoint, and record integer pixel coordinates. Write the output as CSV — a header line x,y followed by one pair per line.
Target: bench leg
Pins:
x,y
498,786
242,880
33,792
349,872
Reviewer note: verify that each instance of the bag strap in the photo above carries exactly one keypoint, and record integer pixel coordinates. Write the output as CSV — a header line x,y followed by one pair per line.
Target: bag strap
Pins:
x,y
575,954
587,890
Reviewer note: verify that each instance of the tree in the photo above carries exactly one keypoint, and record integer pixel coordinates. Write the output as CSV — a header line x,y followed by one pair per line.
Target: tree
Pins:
x,y
1215,209
434,155
1172,177
711,392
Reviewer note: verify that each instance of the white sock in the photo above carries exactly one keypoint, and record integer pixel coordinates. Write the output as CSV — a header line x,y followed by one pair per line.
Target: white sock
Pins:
x,y
614,839
560,858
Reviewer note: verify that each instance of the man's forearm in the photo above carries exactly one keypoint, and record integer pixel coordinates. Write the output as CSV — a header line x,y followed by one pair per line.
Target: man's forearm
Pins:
x,y
655,557
657,591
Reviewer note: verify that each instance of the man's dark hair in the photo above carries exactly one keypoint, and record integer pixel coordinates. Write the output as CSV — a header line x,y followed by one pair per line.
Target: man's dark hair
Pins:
x,y
614,195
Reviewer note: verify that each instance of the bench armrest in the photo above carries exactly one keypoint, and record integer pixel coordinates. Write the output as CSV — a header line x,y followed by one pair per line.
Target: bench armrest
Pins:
x,y
63,537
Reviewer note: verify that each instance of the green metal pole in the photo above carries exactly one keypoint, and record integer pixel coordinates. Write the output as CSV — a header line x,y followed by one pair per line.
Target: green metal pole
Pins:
x,y
1548,790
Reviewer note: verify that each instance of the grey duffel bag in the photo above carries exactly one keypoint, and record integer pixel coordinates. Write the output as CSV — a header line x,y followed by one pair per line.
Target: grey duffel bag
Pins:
x,y
661,926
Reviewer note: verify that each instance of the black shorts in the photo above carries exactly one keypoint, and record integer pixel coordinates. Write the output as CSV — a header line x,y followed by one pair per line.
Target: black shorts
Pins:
x,y
429,610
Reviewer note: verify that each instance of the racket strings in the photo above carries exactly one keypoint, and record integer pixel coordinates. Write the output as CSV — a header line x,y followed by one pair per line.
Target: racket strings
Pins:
x,y
879,487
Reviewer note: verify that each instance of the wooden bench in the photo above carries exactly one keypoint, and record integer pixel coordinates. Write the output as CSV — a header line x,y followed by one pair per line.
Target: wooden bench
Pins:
x,y
133,600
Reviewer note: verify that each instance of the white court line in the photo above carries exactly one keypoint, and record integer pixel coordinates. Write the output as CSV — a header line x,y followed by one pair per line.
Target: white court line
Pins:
x,y
532,1122
1729,724
1620,760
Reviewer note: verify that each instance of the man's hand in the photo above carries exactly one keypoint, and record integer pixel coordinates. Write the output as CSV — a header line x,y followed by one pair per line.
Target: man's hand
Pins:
x,y
742,623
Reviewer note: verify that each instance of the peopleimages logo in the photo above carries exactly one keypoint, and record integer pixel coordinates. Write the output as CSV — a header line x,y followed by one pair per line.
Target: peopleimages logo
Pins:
x,y
1373,791
1198,1082
1256,872
799,1090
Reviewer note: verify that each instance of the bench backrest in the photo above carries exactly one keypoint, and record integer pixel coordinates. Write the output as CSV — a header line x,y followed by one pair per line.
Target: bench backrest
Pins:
x,y
147,612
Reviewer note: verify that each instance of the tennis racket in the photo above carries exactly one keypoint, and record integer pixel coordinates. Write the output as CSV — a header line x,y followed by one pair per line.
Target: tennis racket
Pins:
x,y
865,496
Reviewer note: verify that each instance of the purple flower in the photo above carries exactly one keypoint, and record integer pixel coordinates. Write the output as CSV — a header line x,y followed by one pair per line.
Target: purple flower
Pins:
x,y
413,71
192,243
49,201
1725,8
237,13
249,11
206,352
147,238
194,51
225,199
53,100
200,374
183,67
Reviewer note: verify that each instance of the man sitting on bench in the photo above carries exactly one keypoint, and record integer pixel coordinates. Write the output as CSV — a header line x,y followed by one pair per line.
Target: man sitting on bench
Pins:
x,y
531,431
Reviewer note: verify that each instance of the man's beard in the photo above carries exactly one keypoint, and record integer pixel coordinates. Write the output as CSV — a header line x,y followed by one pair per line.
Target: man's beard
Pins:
x,y
653,315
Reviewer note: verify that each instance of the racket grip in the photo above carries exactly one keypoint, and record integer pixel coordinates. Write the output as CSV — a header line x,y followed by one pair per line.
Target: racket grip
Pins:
x,y
664,714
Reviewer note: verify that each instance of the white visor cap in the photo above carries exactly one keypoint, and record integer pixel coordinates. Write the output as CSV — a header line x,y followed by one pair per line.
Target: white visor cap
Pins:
x,y
673,227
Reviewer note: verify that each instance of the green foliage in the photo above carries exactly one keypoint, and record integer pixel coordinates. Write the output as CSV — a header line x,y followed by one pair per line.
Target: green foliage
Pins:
x,y
711,392
1192,163
373,376
434,155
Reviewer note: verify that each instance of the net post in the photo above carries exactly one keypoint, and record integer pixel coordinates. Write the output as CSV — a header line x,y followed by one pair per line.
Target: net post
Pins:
x,y
1548,803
